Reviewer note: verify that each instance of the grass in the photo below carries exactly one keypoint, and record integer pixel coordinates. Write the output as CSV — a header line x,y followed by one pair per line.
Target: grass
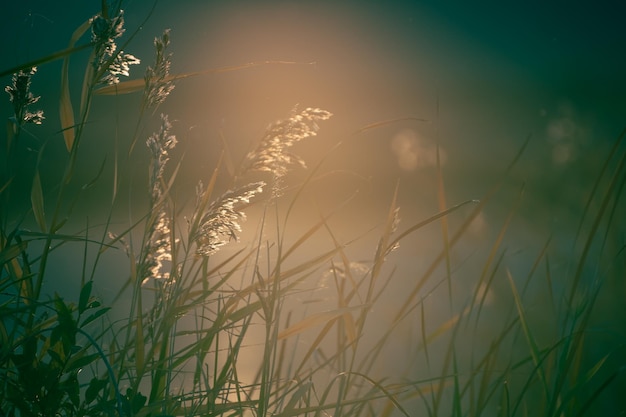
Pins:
x,y
199,330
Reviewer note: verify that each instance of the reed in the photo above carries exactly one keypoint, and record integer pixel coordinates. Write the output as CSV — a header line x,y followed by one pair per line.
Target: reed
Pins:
x,y
178,338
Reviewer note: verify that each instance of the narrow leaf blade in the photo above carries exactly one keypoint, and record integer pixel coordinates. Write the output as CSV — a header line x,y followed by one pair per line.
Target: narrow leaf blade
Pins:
x,y
36,199
66,111
85,293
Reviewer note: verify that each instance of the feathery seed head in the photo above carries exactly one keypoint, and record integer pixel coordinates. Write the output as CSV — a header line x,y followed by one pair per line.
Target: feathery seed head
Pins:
x,y
219,224
272,154
104,32
159,145
158,85
21,97
158,249
158,246
120,66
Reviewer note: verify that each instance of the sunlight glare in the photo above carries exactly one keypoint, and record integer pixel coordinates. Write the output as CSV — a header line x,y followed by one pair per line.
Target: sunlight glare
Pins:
x,y
413,151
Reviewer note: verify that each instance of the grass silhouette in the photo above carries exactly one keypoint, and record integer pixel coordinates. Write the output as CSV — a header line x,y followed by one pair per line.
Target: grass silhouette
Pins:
x,y
178,337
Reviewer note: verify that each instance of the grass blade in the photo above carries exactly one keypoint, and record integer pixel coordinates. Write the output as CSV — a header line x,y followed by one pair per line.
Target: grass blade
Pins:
x,y
36,199
596,393
595,226
66,111
10,252
133,86
85,294
534,350
46,60
429,220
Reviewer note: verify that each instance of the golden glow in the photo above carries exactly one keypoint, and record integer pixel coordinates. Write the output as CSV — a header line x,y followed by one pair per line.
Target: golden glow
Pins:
x,y
413,151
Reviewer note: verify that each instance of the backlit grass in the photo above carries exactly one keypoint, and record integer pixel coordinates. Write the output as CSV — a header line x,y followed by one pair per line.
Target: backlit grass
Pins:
x,y
204,323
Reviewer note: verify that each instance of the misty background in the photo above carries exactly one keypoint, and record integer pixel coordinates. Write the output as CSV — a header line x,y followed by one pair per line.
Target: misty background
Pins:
x,y
481,79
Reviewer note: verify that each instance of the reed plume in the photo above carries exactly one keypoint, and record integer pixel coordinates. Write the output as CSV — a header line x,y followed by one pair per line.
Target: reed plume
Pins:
x,y
21,97
107,60
272,154
158,246
157,77
220,223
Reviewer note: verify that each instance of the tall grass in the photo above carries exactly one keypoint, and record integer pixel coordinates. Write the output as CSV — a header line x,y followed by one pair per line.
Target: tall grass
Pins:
x,y
197,330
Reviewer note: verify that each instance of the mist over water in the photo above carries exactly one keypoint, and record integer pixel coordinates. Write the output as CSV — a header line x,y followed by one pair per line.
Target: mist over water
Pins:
x,y
459,89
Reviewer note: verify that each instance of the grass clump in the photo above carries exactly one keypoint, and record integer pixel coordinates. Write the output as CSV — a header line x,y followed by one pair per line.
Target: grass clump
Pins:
x,y
195,330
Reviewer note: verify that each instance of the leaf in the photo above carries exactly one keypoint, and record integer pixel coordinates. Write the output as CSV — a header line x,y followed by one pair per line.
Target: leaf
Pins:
x,y
71,387
140,347
66,112
446,326
429,220
57,359
382,123
85,293
95,386
137,400
11,252
94,316
79,361
88,78
11,130
67,326
532,344
97,177
45,60
36,199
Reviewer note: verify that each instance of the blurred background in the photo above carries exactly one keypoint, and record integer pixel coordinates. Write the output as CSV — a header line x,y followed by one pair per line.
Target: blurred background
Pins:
x,y
475,80
483,77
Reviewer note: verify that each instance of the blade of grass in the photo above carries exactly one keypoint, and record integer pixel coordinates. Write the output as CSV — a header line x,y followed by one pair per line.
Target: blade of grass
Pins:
x,y
384,247
387,393
429,220
441,201
483,288
349,326
423,332
492,255
305,266
534,350
442,380
408,303
60,236
382,123
36,199
570,355
299,395
594,395
13,251
613,183
456,396
492,352
47,59
65,105
132,86
596,185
